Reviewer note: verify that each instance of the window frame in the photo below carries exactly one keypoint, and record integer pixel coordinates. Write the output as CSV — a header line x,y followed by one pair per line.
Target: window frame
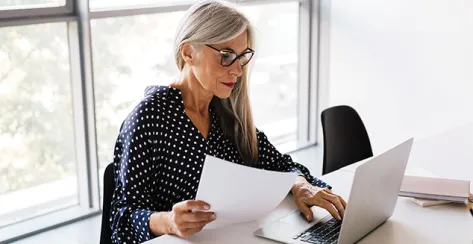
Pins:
x,y
35,12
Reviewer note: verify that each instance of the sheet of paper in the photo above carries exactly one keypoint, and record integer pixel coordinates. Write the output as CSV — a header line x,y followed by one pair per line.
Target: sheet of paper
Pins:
x,y
238,193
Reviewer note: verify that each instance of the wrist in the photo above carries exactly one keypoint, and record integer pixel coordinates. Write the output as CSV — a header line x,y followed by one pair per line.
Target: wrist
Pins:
x,y
159,223
300,182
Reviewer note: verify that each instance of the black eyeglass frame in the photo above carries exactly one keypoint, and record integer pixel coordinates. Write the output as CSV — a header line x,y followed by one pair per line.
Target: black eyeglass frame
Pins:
x,y
248,50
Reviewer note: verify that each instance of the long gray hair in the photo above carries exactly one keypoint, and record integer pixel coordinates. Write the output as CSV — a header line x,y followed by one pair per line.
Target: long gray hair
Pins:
x,y
214,22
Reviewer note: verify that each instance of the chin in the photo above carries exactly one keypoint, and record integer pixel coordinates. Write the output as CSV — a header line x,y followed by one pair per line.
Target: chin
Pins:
x,y
223,94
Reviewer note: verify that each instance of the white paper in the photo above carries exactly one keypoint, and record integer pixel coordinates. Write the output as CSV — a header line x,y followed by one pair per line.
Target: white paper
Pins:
x,y
238,193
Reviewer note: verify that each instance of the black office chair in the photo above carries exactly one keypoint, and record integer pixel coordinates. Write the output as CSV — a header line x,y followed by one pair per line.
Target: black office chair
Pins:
x,y
108,188
346,140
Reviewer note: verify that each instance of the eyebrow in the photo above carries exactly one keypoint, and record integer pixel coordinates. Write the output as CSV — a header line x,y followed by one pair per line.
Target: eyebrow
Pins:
x,y
230,49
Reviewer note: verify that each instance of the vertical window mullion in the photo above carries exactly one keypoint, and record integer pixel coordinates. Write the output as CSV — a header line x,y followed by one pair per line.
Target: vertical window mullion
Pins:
x,y
304,72
91,178
78,115
314,71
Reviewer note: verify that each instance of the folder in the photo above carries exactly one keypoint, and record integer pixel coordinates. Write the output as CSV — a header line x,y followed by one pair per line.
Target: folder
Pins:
x,y
435,188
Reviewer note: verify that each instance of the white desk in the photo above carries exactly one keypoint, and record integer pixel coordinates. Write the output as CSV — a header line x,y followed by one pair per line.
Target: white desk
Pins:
x,y
445,155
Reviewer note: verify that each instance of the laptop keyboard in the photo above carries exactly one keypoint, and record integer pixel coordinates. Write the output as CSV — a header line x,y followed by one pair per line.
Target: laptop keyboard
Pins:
x,y
321,232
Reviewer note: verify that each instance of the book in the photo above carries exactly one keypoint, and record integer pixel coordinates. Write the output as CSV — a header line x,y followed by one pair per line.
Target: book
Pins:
x,y
428,202
435,188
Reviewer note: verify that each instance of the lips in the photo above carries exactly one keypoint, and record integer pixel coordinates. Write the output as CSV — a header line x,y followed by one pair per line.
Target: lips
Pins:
x,y
229,84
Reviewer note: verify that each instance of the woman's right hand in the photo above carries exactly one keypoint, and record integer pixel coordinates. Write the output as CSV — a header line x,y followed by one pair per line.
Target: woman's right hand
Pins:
x,y
184,223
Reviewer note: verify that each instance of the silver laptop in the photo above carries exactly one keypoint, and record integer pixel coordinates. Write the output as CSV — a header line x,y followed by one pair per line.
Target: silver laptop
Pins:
x,y
373,196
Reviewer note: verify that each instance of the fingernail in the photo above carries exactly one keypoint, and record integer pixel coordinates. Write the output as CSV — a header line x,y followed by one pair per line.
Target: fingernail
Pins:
x,y
338,217
213,216
206,207
308,217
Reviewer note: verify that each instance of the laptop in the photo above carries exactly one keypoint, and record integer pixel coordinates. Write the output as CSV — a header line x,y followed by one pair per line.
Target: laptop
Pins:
x,y
373,196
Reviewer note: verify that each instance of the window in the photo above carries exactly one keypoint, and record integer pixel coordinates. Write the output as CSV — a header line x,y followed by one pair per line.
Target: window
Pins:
x,y
96,5
146,58
37,148
26,4
274,79
70,74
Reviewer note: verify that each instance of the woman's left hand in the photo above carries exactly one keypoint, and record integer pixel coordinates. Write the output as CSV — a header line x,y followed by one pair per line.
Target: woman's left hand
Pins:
x,y
307,195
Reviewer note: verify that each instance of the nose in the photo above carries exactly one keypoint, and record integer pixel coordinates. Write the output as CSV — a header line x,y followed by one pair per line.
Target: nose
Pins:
x,y
236,69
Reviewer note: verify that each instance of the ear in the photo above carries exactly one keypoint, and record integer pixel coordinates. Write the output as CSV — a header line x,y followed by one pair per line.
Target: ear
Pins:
x,y
187,53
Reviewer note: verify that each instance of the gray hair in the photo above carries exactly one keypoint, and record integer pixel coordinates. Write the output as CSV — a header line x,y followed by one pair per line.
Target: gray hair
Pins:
x,y
214,22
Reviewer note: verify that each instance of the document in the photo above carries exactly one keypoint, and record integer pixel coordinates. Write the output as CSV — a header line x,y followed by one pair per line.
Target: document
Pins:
x,y
238,193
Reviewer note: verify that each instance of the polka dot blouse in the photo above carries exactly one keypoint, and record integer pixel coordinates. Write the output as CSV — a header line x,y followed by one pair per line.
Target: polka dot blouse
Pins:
x,y
158,159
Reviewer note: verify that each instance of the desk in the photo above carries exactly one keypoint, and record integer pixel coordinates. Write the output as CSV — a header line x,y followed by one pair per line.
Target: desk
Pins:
x,y
445,155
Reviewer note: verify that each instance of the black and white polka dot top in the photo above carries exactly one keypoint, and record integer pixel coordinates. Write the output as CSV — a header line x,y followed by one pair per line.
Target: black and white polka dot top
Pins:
x,y
158,158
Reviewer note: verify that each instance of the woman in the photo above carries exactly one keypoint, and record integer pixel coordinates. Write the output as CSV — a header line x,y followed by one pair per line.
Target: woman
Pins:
x,y
162,144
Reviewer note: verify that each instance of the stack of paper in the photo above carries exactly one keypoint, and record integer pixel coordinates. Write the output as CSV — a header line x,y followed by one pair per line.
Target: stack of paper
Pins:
x,y
422,201
428,202
238,193
435,188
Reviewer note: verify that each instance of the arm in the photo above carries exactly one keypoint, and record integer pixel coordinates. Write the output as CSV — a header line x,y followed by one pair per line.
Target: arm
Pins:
x,y
271,159
134,157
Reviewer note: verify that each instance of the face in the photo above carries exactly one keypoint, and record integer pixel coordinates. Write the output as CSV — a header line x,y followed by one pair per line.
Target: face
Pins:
x,y
211,74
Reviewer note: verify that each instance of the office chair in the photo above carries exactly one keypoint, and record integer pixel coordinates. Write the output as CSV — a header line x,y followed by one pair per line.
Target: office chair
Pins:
x,y
346,140
108,188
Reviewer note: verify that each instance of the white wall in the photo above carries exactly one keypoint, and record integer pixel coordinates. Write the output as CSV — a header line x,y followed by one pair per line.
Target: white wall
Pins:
x,y
405,65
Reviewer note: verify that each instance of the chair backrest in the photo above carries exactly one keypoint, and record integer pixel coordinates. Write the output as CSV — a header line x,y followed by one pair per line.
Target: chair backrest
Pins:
x,y
108,188
346,140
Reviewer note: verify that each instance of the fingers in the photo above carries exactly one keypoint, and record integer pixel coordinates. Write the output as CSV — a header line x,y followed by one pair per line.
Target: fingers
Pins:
x,y
190,205
305,210
186,229
324,198
194,225
187,224
330,208
335,200
343,202
198,216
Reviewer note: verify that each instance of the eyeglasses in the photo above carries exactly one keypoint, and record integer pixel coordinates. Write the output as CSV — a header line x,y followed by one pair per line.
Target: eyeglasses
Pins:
x,y
229,57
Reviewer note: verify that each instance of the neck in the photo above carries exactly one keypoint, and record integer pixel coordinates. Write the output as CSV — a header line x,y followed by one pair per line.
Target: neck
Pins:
x,y
195,97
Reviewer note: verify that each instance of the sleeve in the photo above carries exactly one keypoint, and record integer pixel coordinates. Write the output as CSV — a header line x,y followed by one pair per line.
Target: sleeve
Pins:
x,y
134,155
271,159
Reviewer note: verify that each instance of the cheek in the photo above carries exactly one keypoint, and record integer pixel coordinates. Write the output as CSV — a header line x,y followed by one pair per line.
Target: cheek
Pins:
x,y
202,75
211,75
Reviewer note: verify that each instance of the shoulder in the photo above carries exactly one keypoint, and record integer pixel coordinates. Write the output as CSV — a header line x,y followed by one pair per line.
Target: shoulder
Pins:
x,y
167,99
158,92
260,134
262,139
157,100
151,109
